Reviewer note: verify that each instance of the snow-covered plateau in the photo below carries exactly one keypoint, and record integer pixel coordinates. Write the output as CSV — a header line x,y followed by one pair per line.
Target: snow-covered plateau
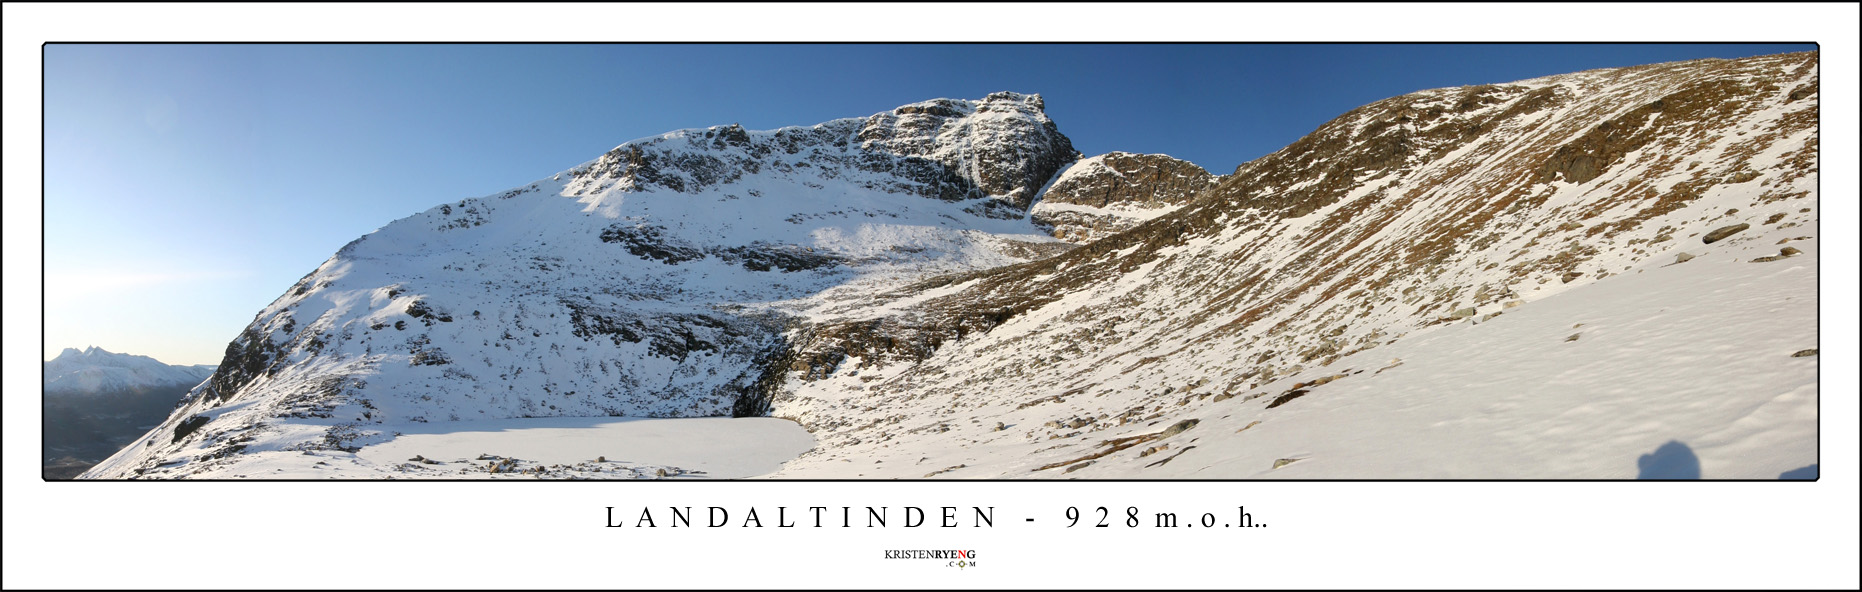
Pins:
x,y
1609,274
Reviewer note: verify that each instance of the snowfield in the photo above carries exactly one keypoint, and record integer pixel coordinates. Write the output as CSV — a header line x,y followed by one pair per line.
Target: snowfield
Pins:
x,y
1688,363
710,447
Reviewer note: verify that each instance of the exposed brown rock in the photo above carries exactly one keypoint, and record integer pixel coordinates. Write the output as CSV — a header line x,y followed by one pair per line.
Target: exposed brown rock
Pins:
x,y
1118,182
1721,233
1782,253
1284,399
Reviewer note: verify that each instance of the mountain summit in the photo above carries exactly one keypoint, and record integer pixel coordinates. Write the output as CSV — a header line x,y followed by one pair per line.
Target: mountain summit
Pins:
x,y
948,289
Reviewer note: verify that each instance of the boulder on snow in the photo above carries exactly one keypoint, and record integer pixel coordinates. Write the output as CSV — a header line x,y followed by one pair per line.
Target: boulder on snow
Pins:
x,y
1782,253
1683,257
1573,337
1179,427
1805,353
1512,304
1283,399
1285,461
1569,276
1462,313
1723,232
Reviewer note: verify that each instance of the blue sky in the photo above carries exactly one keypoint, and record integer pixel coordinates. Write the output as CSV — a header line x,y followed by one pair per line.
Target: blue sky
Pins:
x,y
201,181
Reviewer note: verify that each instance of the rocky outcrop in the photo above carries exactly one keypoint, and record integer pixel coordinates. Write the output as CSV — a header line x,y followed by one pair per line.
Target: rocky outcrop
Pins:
x,y
1003,145
1113,192
1783,253
1002,148
1721,233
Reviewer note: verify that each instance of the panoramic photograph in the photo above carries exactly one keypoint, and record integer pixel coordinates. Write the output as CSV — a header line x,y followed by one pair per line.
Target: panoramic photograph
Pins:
x,y
929,262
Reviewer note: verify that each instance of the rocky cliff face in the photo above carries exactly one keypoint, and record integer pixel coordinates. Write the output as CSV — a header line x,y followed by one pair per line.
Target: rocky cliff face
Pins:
x,y
1110,193
1000,149
1004,146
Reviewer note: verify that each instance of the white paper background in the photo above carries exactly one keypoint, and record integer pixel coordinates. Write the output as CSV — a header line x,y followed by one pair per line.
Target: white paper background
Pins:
x,y
528,535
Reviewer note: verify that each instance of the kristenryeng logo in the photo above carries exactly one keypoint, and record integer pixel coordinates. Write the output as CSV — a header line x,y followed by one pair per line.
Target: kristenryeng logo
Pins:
x,y
952,557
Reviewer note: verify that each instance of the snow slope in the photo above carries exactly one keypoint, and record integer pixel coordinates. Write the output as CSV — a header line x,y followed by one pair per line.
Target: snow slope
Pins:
x,y
1695,355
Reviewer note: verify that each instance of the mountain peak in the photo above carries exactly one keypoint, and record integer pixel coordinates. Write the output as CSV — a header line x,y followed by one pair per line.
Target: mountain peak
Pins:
x,y
1002,148
1002,102
94,369
89,351
1030,99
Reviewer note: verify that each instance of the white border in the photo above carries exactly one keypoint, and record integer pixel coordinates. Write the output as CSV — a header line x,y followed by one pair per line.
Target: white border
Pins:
x,y
1759,535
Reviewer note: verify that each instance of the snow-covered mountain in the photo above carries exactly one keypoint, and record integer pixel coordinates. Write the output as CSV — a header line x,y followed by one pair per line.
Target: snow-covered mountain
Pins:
x,y
94,370
96,401
947,290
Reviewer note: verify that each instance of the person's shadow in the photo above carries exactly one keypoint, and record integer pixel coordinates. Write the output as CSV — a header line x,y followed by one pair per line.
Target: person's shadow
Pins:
x,y
1803,473
1673,460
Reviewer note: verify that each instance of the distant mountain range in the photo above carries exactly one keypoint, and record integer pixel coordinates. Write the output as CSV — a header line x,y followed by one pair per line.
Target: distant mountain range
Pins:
x,y
96,401
94,370
1537,279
